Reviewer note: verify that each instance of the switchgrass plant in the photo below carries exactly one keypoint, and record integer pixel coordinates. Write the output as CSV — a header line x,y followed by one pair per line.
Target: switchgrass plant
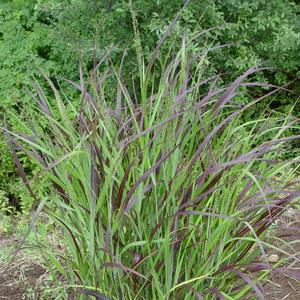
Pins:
x,y
162,192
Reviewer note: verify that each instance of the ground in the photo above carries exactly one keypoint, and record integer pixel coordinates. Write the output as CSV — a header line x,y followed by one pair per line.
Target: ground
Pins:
x,y
284,287
23,278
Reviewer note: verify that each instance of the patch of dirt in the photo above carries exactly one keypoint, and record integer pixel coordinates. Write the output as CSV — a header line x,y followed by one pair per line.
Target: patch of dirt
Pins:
x,y
22,278
16,283
283,286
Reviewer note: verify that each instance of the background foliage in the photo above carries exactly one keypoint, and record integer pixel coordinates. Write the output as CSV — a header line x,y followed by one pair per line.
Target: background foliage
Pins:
x,y
56,34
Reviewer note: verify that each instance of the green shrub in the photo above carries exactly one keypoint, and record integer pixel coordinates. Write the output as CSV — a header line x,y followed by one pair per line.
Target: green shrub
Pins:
x,y
258,30
163,197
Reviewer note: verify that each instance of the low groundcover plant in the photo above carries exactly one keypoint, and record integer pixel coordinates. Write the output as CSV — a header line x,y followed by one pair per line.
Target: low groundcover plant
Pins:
x,y
162,192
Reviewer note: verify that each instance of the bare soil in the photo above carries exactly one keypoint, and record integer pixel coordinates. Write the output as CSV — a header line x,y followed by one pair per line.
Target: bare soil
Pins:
x,y
285,287
22,279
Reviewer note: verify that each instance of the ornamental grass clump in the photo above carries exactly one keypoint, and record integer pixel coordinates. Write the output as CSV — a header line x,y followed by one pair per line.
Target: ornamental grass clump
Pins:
x,y
161,192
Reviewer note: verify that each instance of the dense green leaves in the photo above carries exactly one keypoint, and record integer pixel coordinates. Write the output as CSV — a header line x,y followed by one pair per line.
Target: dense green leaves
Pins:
x,y
55,35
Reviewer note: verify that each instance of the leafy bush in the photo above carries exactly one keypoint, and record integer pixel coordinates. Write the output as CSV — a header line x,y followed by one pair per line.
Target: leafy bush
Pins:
x,y
161,197
258,30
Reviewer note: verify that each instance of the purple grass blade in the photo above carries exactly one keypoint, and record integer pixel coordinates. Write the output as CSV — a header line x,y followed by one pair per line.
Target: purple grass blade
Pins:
x,y
229,93
97,295
102,60
205,214
119,91
286,271
249,282
145,176
209,137
42,102
243,193
152,128
122,186
36,206
216,292
31,153
95,180
135,199
21,171
69,230
118,105
124,268
181,96
164,37
86,96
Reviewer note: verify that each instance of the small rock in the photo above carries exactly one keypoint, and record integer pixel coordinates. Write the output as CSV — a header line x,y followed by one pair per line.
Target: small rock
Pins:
x,y
273,258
